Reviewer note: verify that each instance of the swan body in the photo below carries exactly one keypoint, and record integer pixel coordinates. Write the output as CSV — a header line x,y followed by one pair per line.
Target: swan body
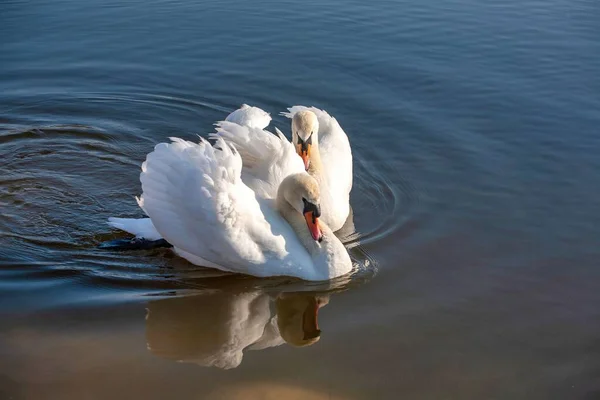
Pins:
x,y
197,201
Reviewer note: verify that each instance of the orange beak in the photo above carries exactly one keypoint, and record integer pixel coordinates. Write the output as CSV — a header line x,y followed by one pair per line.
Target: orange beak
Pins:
x,y
313,226
304,154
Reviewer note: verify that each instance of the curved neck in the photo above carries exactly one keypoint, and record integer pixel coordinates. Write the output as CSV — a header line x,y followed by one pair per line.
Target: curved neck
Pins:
x,y
316,166
297,222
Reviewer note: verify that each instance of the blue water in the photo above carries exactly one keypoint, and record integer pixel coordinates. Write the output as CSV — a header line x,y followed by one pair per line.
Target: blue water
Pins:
x,y
474,129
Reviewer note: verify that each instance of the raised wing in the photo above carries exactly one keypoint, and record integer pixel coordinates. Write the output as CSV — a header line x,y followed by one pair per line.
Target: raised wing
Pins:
x,y
253,117
267,158
197,201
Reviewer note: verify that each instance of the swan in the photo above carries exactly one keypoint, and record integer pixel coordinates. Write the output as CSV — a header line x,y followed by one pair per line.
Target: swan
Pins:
x,y
197,201
265,166
320,142
325,150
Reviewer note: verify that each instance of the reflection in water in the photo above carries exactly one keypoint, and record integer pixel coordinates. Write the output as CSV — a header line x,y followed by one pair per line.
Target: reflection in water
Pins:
x,y
214,329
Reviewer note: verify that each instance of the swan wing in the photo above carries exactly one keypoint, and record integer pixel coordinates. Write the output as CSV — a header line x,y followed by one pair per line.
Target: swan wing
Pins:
x,y
196,200
253,117
267,158
142,227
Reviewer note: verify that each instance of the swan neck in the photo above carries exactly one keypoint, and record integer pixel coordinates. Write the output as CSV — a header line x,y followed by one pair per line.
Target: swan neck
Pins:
x,y
297,222
316,166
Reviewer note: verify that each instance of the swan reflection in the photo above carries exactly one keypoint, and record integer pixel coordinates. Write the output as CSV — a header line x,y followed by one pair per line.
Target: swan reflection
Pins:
x,y
215,329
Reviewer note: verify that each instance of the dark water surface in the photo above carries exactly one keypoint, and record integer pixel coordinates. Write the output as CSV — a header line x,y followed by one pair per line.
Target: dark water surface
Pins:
x,y
475,132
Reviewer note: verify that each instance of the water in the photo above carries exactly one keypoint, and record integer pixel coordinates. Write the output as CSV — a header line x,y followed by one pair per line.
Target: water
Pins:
x,y
474,127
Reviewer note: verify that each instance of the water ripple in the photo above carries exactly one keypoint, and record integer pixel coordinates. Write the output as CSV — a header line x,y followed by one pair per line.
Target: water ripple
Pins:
x,y
64,180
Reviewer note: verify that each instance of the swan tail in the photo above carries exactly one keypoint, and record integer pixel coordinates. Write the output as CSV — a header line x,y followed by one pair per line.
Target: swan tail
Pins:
x,y
140,227
146,235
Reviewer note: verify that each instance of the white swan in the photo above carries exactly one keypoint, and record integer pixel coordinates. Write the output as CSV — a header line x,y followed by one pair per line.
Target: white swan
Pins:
x,y
266,163
196,200
324,147
319,140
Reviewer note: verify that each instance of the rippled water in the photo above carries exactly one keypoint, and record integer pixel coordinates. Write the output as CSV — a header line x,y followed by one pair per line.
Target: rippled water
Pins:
x,y
474,129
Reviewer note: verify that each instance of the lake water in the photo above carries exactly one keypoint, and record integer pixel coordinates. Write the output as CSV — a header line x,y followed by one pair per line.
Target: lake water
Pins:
x,y
475,132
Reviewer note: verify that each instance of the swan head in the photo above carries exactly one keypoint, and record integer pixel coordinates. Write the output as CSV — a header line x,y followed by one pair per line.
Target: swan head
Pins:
x,y
305,128
302,193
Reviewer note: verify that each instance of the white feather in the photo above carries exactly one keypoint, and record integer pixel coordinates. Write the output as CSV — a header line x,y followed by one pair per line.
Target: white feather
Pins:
x,y
199,201
265,165
267,158
252,117
195,197
140,227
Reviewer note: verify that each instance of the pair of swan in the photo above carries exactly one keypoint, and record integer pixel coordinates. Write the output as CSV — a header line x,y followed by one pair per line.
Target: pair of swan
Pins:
x,y
247,204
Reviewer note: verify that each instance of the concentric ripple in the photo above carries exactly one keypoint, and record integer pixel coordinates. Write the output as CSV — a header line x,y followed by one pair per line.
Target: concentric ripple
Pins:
x,y
60,182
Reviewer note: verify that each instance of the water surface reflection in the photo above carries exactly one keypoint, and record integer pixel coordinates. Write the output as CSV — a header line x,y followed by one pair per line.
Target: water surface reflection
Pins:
x,y
214,329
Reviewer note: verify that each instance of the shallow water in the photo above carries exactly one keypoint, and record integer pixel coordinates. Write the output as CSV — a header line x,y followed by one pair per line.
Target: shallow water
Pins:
x,y
474,128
